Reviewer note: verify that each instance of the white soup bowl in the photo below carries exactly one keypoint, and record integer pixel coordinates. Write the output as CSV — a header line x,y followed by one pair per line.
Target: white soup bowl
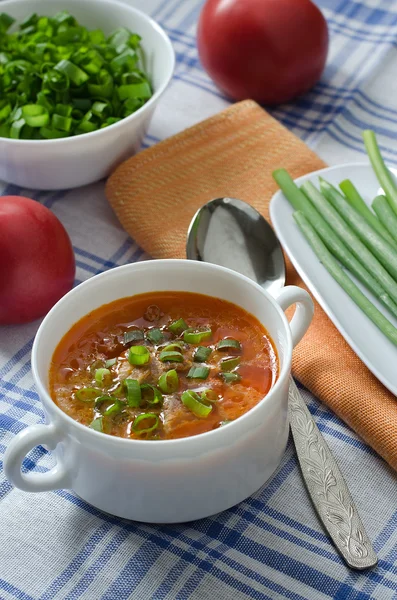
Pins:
x,y
82,159
166,481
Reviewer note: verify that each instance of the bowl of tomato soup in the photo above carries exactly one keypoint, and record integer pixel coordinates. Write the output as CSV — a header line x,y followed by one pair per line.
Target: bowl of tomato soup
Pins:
x,y
165,389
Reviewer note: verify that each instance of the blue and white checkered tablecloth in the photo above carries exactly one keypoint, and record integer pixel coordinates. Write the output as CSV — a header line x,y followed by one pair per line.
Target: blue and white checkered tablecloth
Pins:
x,y
54,546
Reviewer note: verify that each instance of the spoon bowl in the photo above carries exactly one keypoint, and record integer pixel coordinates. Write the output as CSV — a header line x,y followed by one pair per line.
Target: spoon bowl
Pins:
x,y
231,233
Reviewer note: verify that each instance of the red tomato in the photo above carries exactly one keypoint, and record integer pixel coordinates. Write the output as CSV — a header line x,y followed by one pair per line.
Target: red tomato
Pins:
x,y
36,260
266,50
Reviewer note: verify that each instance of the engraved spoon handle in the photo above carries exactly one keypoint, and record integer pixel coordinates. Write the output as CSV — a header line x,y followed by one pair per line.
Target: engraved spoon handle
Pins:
x,y
327,487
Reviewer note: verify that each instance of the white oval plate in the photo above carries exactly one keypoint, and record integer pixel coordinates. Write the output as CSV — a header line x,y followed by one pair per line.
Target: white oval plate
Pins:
x,y
374,349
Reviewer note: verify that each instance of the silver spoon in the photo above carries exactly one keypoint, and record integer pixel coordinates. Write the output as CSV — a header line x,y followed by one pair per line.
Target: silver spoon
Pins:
x,y
231,233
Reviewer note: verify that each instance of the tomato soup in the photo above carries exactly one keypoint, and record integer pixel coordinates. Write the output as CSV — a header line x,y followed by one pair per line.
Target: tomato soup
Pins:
x,y
162,365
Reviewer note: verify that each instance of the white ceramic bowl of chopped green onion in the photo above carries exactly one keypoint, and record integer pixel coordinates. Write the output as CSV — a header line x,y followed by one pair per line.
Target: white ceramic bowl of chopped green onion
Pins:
x,y
76,98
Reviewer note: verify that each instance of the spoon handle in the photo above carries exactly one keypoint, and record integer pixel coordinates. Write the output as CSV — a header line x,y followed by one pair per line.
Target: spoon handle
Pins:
x,y
327,487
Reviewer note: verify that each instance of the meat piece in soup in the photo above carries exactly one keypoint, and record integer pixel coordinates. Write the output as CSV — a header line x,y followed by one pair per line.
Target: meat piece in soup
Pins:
x,y
163,365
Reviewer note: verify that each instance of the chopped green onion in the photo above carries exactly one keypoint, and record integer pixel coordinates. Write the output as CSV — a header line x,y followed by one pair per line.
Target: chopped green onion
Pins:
x,y
195,404
135,90
52,62
133,336
35,115
110,362
198,373
87,394
175,347
138,355
228,343
230,377
202,353
140,426
169,382
115,408
209,395
16,129
228,364
155,335
101,374
151,394
133,390
170,356
104,400
177,327
75,74
97,424
61,123
193,336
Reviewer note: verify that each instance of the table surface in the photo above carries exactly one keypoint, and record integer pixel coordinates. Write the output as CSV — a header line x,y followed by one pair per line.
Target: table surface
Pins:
x,y
272,546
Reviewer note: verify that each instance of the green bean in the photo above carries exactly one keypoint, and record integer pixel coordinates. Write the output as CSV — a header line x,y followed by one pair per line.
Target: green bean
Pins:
x,y
383,251
383,174
300,202
385,214
332,266
356,201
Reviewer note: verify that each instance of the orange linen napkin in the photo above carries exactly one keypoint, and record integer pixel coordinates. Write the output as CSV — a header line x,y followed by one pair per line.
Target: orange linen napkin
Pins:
x,y
156,193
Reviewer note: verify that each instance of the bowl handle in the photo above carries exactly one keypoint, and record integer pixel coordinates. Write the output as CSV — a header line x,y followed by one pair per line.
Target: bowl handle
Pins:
x,y
25,441
303,313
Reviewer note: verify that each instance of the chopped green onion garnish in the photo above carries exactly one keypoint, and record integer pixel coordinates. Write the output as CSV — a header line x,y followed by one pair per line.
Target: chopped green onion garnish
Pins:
x,y
198,373
133,336
97,424
35,115
195,404
175,347
75,75
155,335
209,395
193,336
202,353
151,394
87,394
109,363
104,400
101,375
115,408
169,382
228,364
228,343
133,390
230,377
177,327
138,355
166,356
145,423
57,79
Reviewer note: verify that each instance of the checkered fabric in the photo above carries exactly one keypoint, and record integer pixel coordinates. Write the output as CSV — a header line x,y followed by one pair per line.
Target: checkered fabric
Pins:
x,y
54,546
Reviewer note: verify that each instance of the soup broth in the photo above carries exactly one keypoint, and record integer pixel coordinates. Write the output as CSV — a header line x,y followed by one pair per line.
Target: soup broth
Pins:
x,y
162,365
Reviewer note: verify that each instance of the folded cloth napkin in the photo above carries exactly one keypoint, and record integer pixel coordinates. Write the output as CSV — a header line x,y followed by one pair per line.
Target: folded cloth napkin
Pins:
x,y
156,193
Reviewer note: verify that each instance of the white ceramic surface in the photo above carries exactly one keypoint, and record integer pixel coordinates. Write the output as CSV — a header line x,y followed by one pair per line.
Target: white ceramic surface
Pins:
x,y
374,349
171,480
79,160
